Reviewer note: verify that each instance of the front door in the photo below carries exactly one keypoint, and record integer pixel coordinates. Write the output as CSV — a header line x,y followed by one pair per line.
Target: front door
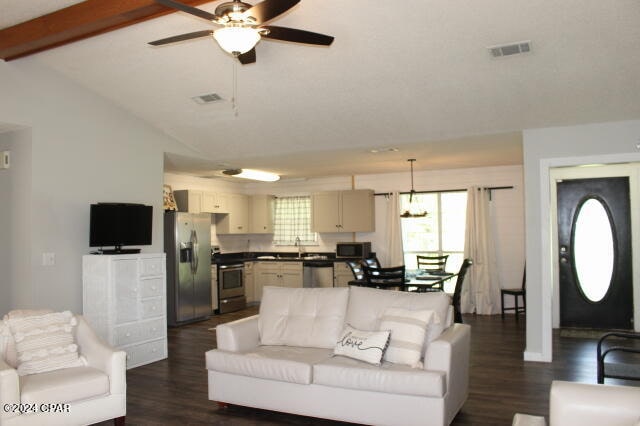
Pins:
x,y
594,233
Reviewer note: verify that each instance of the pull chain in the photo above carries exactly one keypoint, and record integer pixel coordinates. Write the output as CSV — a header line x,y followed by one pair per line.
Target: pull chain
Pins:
x,y
234,99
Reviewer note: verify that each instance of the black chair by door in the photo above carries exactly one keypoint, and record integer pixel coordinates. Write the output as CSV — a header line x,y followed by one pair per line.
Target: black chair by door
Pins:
x,y
515,292
457,313
432,263
386,278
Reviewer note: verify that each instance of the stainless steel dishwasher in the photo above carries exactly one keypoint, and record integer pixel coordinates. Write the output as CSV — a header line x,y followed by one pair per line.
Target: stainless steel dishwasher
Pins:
x,y
318,274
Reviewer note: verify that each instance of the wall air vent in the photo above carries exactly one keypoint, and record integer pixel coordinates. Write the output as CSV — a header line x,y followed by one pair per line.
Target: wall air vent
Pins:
x,y
207,99
510,49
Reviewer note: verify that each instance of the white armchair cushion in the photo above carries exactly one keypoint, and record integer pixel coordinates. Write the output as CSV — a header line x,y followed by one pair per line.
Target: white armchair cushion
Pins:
x,y
45,342
64,386
308,317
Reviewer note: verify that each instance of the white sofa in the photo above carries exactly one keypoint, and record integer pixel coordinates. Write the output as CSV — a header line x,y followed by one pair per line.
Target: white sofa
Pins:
x,y
585,404
296,372
79,395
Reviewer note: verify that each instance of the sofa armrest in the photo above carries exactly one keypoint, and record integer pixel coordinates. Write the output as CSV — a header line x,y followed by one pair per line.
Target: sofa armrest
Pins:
x,y
238,336
9,390
101,356
588,404
450,353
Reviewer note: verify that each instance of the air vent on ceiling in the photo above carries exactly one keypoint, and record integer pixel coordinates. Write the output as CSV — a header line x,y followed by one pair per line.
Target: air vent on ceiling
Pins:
x,y
510,49
207,99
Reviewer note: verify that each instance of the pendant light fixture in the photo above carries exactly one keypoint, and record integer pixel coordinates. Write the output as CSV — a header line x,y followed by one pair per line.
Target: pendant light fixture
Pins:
x,y
412,212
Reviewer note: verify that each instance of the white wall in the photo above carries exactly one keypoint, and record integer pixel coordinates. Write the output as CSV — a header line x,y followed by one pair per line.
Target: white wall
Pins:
x,y
544,149
507,205
83,149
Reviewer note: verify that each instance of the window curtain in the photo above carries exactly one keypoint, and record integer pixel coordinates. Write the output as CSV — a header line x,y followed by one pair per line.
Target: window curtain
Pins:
x,y
481,288
395,251
292,219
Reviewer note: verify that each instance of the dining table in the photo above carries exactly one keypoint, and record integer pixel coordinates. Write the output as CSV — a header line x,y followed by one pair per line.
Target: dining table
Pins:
x,y
418,280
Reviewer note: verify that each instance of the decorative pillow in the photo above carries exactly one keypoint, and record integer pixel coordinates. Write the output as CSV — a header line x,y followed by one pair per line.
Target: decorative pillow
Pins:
x,y
44,342
9,351
367,346
408,330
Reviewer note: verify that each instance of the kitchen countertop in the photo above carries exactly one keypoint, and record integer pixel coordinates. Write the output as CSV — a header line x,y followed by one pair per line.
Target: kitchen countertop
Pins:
x,y
307,258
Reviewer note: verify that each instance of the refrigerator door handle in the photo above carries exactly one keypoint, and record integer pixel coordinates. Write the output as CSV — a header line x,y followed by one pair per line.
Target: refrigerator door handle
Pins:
x,y
195,246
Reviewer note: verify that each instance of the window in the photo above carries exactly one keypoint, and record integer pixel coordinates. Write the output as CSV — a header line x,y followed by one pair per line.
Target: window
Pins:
x,y
292,220
440,232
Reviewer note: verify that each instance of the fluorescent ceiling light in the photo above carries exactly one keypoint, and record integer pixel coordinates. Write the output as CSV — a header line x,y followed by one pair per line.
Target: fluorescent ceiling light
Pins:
x,y
252,174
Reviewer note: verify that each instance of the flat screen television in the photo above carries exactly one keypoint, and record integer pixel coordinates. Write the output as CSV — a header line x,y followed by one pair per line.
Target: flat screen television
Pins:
x,y
118,225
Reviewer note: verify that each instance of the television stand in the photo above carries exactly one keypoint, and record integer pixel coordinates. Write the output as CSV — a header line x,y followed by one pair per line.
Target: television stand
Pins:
x,y
119,250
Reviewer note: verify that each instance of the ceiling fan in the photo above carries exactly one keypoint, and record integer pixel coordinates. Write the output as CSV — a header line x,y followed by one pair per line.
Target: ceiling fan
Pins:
x,y
242,26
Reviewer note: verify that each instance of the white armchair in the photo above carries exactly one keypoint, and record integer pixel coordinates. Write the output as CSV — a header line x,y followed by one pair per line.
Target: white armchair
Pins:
x,y
70,396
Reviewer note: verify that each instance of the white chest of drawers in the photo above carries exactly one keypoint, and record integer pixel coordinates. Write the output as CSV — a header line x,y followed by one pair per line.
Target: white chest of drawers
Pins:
x,y
124,300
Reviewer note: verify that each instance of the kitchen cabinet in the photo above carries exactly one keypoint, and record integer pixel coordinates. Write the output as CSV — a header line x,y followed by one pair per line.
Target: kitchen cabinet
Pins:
x,y
188,200
343,211
261,214
342,274
124,301
237,220
249,282
215,202
281,274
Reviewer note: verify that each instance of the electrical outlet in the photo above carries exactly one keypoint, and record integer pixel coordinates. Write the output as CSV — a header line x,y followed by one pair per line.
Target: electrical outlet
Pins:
x,y
48,259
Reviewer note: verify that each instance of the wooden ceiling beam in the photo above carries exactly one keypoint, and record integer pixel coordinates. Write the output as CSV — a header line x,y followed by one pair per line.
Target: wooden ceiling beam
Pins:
x,y
77,22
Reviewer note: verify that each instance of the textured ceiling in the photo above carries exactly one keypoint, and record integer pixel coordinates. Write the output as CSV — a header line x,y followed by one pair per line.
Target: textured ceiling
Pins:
x,y
415,75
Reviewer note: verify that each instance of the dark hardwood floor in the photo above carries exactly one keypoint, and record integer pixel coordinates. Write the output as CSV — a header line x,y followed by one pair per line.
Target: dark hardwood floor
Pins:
x,y
174,391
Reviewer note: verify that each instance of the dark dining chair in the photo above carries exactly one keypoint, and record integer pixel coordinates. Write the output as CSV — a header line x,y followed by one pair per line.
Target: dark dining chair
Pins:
x,y
457,313
618,356
515,292
372,262
356,269
386,278
432,263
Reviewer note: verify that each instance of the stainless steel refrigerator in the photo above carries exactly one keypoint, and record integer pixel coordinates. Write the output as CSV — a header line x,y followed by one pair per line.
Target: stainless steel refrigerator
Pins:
x,y
187,243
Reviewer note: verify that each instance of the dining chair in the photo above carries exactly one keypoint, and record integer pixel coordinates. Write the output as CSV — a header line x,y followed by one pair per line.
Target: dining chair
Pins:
x,y
515,292
372,262
386,278
432,263
356,269
457,313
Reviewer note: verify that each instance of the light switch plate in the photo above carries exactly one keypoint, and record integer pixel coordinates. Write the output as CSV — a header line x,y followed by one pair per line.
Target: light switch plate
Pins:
x,y
6,160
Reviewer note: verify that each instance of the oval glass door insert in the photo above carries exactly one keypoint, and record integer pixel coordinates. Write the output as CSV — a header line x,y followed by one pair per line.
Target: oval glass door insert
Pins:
x,y
593,250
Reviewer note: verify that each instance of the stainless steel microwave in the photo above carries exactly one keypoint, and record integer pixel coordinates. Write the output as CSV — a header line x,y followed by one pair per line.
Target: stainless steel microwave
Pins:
x,y
360,250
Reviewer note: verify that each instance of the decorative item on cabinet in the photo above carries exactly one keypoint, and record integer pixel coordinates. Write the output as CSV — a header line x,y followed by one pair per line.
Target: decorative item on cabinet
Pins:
x,y
168,199
343,211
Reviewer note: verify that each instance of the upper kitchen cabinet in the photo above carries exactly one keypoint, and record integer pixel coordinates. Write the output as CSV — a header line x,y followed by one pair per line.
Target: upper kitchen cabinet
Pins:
x,y
261,214
192,201
188,200
343,211
237,221
215,202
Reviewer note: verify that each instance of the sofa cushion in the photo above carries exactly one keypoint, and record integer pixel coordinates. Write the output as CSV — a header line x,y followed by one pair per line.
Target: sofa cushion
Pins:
x,y
63,386
367,305
389,378
367,346
408,329
308,317
282,363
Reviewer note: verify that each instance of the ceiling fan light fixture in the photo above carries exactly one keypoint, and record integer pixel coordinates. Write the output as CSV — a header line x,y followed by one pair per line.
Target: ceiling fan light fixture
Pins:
x,y
237,39
252,174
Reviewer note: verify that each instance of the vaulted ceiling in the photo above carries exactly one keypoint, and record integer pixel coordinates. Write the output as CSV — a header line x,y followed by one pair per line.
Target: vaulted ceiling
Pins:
x,y
415,75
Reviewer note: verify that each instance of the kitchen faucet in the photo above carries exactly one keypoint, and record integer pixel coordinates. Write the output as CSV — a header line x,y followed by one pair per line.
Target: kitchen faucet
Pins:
x,y
297,244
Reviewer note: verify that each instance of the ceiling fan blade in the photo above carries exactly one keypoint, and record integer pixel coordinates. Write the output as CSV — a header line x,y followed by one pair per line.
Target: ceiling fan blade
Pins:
x,y
297,36
269,9
189,9
181,37
248,57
